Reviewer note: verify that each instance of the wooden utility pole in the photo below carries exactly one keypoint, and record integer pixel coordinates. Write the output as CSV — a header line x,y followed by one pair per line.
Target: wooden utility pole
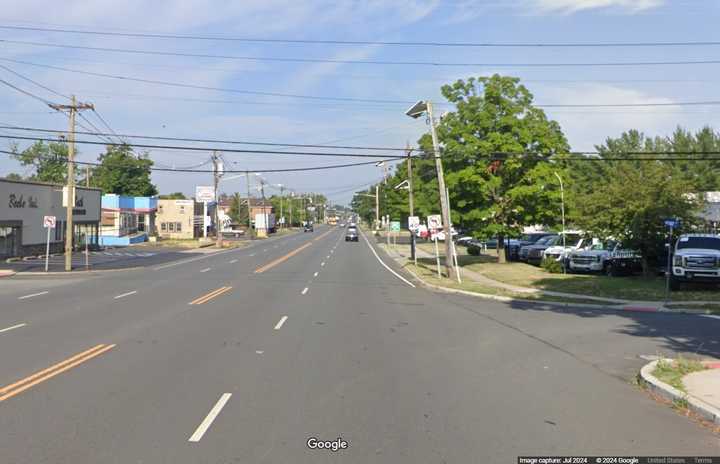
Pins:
x,y
410,201
216,178
70,196
247,178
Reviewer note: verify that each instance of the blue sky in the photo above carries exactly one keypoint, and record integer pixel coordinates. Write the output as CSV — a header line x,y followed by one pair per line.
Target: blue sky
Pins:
x,y
132,107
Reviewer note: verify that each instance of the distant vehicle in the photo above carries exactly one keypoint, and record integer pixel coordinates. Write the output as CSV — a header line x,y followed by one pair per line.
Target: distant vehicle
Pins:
x,y
696,258
573,242
540,244
423,232
440,234
514,245
351,235
308,227
260,222
342,224
352,224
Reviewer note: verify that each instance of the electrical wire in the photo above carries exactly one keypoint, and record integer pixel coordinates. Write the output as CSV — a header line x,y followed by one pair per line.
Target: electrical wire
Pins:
x,y
357,62
25,92
312,168
155,35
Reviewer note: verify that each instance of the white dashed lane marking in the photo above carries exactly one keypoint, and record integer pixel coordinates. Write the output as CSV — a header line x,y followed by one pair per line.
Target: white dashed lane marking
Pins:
x,y
305,290
32,295
280,323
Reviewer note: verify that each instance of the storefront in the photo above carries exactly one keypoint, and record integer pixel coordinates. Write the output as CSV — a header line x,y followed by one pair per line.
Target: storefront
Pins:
x,y
127,220
23,205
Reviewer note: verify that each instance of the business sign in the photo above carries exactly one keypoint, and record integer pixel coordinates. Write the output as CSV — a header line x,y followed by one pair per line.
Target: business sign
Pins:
x,y
413,222
434,222
395,226
204,193
49,222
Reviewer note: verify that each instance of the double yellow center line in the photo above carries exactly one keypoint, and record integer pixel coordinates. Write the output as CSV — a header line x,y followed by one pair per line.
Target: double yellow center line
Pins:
x,y
284,258
209,296
45,374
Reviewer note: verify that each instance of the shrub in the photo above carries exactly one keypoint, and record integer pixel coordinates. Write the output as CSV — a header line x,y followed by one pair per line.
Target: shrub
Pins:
x,y
473,250
552,266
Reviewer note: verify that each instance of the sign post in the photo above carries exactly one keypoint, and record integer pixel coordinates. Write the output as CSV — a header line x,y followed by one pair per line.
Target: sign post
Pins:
x,y
48,223
205,194
434,222
671,224
395,228
413,225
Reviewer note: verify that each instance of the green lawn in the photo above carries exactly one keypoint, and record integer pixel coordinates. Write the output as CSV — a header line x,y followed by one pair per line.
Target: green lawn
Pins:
x,y
672,372
525,275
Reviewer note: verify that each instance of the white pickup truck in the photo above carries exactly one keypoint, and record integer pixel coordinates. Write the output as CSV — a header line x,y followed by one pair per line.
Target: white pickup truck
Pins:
x,y
573,242
696,258
608,257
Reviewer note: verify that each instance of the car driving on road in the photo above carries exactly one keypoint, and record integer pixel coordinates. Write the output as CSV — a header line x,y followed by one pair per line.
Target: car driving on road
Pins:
x,y
351,235
308,227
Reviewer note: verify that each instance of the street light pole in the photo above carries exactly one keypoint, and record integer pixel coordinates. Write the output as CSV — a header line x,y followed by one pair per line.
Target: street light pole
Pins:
x,y
411,204
562,209
444,204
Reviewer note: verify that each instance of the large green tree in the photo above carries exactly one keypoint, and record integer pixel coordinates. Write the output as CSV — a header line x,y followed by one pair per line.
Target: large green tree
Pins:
x,y
124,173
627,198
496,152
48,159
238,209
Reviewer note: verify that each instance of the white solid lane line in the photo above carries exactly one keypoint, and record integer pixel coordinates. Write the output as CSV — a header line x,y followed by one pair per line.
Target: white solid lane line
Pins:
x,y
280,323
32,295
125,294
305,290
202,428
712,316
206,269
8,329
233,261
315,275
385,265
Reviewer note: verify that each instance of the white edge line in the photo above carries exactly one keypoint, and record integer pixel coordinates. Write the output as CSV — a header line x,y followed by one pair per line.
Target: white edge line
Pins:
x,y
233,261
712,316
385,265
32,295
205,424
125,294
206,269
305,290
8,329
280,322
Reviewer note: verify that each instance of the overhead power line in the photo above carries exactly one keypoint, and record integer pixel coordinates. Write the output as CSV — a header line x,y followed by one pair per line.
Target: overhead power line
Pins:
x,y
358,62
206,149
220,38
321,97
230,171
221,141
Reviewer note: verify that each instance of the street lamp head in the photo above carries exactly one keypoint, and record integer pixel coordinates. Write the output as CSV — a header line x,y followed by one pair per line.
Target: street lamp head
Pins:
x,y
417,109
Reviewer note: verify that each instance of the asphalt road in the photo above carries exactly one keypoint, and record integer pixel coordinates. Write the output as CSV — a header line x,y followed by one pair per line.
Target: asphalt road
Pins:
x,y
310,336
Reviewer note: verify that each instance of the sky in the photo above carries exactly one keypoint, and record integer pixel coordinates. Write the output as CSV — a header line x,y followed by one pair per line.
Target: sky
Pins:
x,y
132,107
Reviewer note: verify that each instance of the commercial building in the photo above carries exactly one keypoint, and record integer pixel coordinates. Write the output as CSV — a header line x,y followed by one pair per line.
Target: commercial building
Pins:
x,y
24,204
127,220
179,219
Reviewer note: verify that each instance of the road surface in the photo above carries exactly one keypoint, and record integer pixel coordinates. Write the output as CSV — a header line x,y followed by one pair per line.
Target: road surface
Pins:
x,y
243,355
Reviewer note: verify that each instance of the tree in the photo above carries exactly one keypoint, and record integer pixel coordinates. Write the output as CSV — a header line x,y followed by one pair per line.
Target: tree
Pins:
x,y
14,176
48,159
123,173
173,196
494,194
239,210
629,199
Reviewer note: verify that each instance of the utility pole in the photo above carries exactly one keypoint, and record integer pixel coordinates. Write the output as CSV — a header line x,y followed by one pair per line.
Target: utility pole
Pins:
x,y
377,206
292,195
87,176
247,177
216,179
410,200
69,229
444,203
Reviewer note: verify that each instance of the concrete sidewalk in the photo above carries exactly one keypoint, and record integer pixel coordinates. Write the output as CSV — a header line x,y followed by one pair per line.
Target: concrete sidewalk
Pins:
x,y
705,385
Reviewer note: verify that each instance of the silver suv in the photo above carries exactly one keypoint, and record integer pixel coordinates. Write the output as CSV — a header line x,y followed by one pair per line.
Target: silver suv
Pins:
x,y
696,258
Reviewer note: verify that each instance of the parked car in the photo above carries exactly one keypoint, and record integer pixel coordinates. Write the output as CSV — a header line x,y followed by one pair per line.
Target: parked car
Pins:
x,y
440,234
514,246
535,252
696,258
540,244
608,257
573,242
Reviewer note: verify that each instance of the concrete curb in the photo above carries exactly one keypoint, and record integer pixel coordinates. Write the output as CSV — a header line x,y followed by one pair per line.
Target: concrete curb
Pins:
x,y
7,273
672,394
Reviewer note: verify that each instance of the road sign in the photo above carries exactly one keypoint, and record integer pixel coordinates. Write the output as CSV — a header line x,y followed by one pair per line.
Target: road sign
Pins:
x,y
49,222
672,223
395,226
204,193
413,223
434,222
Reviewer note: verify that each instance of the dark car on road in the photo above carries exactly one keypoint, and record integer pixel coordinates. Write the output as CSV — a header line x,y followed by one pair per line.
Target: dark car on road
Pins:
x,y
351,235
308,227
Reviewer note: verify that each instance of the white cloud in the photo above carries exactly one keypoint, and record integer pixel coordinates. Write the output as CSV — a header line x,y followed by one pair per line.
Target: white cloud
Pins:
x,y
573,6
